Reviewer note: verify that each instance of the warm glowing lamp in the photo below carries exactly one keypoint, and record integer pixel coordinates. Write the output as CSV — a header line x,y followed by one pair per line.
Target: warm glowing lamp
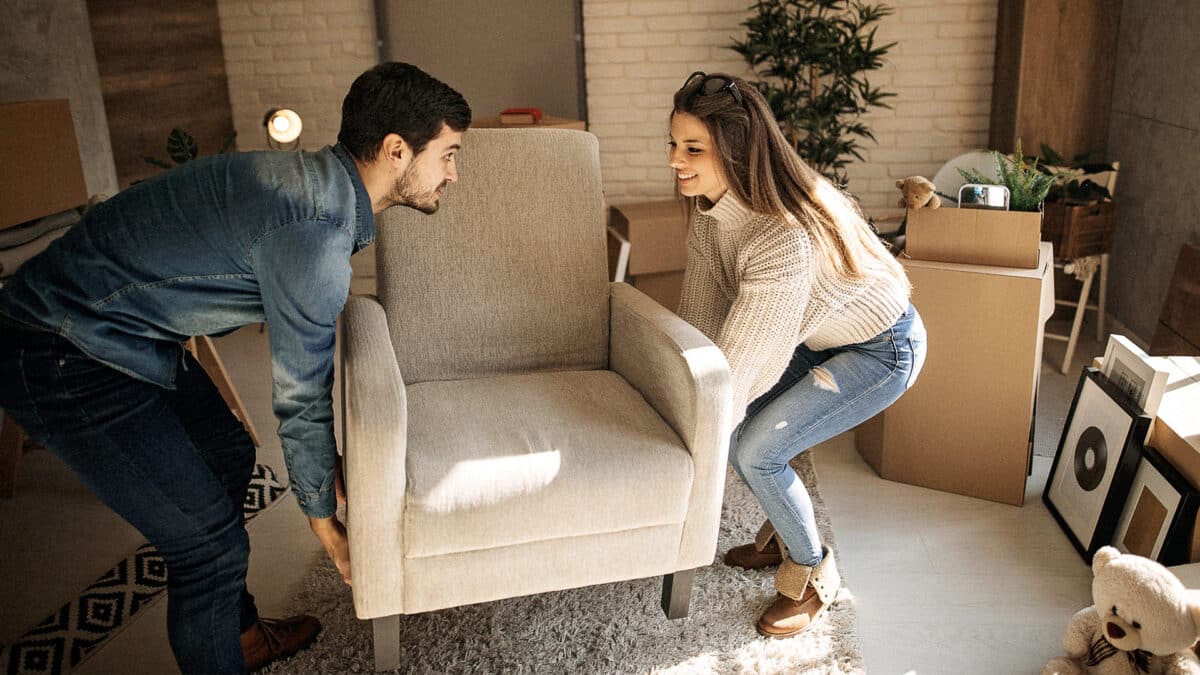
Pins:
x,y
283,128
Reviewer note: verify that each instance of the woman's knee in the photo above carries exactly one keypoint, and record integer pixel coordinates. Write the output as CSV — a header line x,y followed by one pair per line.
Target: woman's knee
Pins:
x,y
751,455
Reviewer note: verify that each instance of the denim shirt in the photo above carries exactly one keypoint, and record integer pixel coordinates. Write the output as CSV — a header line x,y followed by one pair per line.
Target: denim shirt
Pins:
x,y
215,244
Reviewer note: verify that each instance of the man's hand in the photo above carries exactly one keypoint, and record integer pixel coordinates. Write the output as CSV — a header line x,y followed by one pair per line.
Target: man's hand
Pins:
x,y
333,537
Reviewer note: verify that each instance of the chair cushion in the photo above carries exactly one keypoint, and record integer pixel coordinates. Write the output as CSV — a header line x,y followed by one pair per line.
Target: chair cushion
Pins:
x,y
520,458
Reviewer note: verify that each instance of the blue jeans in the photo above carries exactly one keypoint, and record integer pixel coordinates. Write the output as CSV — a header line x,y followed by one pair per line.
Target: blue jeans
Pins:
x,y
175,464
820,395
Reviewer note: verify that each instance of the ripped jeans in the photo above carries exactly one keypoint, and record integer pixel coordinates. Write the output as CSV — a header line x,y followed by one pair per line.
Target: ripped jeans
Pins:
x,y
820,395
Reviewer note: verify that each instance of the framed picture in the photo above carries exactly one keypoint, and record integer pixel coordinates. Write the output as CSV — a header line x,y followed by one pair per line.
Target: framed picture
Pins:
x,y
1159,512
1130,368
1096,460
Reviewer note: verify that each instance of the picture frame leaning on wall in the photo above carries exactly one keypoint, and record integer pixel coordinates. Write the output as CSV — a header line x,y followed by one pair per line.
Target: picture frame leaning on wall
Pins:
x,y
1159,513
1095,464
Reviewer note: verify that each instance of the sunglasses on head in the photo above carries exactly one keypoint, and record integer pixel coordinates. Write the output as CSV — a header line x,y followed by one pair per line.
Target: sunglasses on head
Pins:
x,y
713,84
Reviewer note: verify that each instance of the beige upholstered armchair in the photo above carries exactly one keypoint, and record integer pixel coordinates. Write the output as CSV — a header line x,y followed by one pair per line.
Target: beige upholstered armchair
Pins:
x,y
514,423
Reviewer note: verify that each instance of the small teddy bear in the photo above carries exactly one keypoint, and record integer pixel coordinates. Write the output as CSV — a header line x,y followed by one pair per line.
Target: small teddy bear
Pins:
x,y
1143,621
918,192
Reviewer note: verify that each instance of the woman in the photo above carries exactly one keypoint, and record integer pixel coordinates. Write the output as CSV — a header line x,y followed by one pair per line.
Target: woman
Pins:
x,y
807,305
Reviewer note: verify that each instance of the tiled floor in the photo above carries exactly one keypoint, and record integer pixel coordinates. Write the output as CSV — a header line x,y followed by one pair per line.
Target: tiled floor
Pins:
x,y
942,583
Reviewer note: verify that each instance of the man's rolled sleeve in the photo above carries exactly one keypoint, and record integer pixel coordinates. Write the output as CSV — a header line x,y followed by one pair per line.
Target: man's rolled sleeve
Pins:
x,y
304,275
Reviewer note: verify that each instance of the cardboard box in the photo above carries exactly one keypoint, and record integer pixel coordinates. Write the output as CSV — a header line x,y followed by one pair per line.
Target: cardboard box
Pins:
x,y
974,236
966,426
1176,430
40,170
548,121
664,287
656,233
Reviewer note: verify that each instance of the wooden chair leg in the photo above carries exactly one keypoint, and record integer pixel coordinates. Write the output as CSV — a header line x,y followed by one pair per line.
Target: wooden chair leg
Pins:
x,y
386,633
677,593
12,441
1075,325
206,353
1103,301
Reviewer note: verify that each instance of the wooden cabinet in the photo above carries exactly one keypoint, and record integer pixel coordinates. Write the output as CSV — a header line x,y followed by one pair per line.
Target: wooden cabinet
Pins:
x,y
1053,75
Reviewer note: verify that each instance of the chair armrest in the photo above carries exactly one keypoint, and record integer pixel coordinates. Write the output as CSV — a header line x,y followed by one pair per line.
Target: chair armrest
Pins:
x,y
375,423
685,377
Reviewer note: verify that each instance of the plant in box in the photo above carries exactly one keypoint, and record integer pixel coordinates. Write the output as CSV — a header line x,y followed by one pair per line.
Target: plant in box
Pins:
x,y
1027,185
992,237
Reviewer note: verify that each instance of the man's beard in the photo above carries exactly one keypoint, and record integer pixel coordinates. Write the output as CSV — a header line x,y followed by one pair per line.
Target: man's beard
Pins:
x,y
406,192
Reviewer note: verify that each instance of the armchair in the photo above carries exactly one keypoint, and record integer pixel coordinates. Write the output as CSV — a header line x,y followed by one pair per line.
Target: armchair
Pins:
x,y
514,423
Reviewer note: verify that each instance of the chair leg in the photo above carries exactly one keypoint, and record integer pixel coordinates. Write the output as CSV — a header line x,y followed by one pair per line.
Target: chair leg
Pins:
x,y
1080,308
387,642
1103,301
677,593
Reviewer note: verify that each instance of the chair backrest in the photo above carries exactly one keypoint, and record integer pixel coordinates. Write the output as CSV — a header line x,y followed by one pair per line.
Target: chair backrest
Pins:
x,y
510,275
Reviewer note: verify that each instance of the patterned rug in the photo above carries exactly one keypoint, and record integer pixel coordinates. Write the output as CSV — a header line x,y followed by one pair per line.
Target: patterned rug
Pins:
x,y
66,638
609,628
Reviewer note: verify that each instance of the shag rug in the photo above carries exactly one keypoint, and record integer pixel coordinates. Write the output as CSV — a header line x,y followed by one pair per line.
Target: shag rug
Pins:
x,y
610,628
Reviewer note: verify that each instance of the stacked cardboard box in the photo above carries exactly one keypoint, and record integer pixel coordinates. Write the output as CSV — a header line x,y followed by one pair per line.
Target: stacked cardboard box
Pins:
x,y
966,426
656,233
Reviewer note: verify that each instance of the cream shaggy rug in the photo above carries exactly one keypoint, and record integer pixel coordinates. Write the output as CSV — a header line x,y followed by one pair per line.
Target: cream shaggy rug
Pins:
x,y
612,628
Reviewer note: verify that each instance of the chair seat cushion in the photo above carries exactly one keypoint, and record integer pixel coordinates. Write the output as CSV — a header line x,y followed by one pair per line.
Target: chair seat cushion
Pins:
x,y
519,458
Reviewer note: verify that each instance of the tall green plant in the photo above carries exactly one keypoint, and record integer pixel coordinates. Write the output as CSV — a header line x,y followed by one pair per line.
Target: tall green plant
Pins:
x,y
812,58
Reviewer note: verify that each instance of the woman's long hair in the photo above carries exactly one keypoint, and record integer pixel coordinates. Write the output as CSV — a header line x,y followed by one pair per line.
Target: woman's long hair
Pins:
x,y
765,173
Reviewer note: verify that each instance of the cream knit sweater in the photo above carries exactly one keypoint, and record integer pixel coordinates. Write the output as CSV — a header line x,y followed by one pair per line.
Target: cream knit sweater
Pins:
x,y
755,286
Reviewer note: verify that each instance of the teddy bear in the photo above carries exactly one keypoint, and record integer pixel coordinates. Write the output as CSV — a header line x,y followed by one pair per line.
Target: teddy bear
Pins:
x,y
1143,621
918,192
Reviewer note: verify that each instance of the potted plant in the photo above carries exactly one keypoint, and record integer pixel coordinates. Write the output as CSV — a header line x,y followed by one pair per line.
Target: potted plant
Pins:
x,y
1027,184
812,58
181,148
1080,215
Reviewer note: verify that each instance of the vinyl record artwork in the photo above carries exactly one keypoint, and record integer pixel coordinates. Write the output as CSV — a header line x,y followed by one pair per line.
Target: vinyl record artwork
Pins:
x,y
1095,464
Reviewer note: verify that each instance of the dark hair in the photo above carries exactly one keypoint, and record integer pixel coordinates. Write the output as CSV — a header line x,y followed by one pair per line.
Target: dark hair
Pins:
x,y
398,98
766,174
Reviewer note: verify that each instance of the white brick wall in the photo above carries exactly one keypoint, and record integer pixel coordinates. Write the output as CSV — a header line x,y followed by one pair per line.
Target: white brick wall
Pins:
x,y
638,52
299,54
305,53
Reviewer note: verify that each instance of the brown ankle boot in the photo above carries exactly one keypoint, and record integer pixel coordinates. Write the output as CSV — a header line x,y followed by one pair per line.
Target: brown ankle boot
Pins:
x,y
748,556
764,552
804,594
271,639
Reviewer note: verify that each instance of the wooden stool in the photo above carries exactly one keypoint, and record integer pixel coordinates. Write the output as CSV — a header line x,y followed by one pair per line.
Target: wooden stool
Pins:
x,y
13,439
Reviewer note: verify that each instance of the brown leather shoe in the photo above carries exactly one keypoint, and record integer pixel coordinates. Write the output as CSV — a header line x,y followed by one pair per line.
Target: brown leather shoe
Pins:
x,y
750,557
787,617
271,639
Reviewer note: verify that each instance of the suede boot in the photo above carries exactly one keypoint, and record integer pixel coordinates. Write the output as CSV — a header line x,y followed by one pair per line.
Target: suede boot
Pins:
x,y
804,594
271,639
766,551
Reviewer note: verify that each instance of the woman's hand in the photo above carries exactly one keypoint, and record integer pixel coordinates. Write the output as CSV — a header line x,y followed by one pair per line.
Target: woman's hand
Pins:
x,y
332,535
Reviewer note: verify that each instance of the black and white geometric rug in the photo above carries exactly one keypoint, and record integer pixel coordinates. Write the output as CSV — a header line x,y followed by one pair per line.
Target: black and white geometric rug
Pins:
x,y
66,638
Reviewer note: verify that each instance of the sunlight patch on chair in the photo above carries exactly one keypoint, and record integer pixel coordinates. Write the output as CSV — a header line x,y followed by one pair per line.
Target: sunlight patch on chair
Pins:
x,y
706,359
474,483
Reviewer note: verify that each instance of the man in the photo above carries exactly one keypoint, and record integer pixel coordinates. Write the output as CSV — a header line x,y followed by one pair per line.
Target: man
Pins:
x,y
93,368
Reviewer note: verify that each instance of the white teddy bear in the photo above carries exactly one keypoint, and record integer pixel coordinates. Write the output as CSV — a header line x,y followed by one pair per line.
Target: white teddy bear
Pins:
x,y
1143,621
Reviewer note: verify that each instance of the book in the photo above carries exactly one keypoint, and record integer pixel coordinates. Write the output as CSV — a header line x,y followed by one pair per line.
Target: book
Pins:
x,y
521,116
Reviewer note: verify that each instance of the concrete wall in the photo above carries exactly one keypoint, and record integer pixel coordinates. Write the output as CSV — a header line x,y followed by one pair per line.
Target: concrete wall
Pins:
x,y
638,53
1155,133
45,53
